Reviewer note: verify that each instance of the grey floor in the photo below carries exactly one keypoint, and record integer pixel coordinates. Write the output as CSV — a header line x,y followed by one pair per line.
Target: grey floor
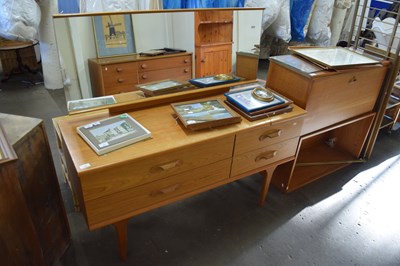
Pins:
x,y
351,217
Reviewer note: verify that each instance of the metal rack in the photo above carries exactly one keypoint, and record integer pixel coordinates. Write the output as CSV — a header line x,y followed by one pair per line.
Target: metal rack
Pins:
x,y
363,38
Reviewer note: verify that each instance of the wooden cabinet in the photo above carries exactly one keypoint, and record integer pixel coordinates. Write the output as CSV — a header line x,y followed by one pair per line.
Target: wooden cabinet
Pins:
x,y
213,42
339,107
175,164
115,75
33,224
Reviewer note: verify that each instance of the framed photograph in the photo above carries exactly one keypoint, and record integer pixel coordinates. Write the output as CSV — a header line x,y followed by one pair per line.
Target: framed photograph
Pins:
x,y
163,87
248,101
209,113
77,105
213,80
113,133
261,115
296,63
113,35
7,152
333,57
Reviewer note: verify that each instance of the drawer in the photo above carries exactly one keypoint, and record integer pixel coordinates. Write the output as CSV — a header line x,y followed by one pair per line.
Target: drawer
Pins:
x,y
149,169
125,203
120,88
262,157
178,73
266,135
165,63
120,75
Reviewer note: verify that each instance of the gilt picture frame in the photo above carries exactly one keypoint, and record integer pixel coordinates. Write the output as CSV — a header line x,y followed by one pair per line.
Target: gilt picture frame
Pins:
x,y
113,35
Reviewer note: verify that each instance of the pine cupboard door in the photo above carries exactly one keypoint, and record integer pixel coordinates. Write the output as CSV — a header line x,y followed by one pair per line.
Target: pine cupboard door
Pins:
x,y
213,60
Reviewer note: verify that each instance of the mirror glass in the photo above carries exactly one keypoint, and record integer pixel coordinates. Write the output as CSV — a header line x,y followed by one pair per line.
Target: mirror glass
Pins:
x,y
76,41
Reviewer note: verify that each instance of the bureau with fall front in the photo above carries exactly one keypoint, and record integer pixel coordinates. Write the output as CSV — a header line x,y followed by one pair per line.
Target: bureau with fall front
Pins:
x,y
115,75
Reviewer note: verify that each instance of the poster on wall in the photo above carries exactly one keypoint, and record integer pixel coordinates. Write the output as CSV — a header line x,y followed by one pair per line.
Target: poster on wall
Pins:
x,y
113,35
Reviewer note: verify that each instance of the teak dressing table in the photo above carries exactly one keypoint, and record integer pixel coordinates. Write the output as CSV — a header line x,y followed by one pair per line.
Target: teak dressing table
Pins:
x,y
174,164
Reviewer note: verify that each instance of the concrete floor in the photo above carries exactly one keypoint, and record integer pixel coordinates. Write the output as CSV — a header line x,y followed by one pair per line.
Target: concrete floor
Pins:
x,y
351,217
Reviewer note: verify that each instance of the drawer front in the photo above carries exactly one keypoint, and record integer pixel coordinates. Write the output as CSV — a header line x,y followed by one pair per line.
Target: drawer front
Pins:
x,y
146,170
125,203
179,73
165,63
266,135
263,157
120,75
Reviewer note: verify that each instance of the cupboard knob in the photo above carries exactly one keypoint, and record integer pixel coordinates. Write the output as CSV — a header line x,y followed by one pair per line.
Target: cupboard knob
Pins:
x,y
144,76
186,70
143,66
166,166
353,79
120,80
203,60
186,61
119,69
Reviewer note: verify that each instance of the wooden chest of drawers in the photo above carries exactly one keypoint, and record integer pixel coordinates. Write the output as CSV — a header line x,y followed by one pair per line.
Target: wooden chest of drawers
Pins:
x,y
120,74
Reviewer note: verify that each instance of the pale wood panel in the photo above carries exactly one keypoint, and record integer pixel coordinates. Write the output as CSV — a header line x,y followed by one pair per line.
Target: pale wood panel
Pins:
x,y
262,136
177,73
160,166
264,156
100,211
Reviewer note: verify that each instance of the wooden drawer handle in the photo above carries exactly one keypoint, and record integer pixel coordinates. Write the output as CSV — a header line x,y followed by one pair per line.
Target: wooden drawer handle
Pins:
x,y
203,60
166,166
119,69
270,134
186,61
144,76
166,190
120,80
265,156
186,70
143,66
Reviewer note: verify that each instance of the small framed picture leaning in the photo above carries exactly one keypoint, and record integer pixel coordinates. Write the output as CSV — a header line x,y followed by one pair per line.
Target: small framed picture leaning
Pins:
x,y
113,133
203,114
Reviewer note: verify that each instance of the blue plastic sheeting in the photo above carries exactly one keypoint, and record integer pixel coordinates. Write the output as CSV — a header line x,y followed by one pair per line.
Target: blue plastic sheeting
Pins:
x,y
173,4
68,6
299,18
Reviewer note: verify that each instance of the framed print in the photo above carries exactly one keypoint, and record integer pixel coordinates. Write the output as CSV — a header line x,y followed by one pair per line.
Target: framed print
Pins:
x,y
113,35
249,101
7,152
76,105
113,133
213,80
296,63
163,87
204,114
261,115
333,57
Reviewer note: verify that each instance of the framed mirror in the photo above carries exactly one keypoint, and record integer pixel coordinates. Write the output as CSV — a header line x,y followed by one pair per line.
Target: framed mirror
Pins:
x,y
178,29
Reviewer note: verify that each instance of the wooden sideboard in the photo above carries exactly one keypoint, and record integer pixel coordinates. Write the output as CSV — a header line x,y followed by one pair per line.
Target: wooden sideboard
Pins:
x,y
113,75
33,224
174,164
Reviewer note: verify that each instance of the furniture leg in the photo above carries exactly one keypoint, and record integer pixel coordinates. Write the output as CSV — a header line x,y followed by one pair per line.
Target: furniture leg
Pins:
x,y
265,186
122,233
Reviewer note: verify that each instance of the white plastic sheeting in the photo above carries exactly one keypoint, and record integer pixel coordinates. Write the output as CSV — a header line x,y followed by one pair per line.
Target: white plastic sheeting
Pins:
x,y
319,31
118,5
19,19
276,17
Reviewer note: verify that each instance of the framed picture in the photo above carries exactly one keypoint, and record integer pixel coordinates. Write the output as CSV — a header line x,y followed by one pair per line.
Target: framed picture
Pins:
x,y
214,80
163,87
261,115
7,152
77,105
209,113
333,57
113,133
113,35
296,63
245,100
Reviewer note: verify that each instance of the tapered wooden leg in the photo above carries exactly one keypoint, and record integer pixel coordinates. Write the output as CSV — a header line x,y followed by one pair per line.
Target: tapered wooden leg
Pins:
x,y
265,186
122,232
